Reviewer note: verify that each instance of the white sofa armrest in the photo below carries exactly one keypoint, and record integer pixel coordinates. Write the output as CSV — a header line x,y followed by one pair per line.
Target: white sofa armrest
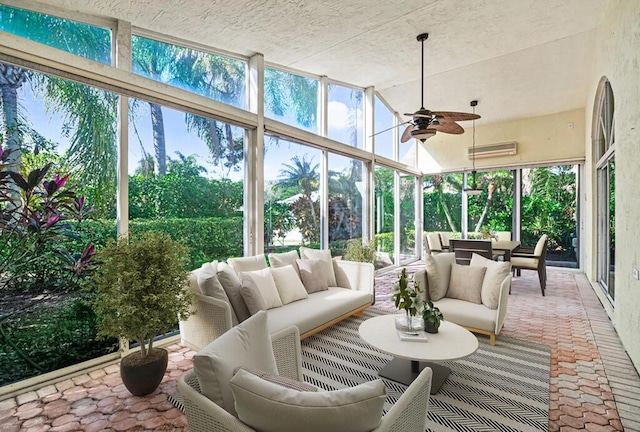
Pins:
x,y
502,303
211,319
357,276
409,414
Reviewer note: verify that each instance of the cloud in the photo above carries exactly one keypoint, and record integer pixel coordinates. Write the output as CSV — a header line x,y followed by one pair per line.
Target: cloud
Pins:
x,y
338,115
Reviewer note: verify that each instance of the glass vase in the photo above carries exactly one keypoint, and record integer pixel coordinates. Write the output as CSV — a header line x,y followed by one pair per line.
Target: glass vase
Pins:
x,y
406,323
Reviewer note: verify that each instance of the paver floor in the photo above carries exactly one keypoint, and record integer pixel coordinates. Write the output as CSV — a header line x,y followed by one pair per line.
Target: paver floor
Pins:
x,y
592,381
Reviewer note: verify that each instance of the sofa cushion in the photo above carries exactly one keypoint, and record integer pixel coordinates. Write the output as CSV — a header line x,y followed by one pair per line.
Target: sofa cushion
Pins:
x,y
466,283
324,255
288,283
280,380
252,297
262,282
467,314
268,407
493,278
247,344
231,284
318,309
284,259
250,263
438,274
312,275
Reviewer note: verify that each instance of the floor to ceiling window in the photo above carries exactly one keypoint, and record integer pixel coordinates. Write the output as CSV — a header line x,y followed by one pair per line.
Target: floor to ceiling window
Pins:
x,y
384,215
492,209
346,192
604,142
291,195
407,226
67,130
383,129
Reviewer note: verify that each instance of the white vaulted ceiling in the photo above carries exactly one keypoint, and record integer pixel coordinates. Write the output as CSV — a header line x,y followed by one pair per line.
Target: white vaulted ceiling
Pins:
x,y
520,58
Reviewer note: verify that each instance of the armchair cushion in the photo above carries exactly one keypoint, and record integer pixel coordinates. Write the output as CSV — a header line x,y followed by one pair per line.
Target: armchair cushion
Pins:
x,y
284,259
466,283
438,273
288,283
493,278
247,344
269,407
324,255
285,382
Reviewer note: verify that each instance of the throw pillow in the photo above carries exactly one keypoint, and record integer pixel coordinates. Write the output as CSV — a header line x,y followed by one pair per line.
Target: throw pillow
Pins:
x,y
247,344
209,285
193,281
466,283
496,273
280,380
288,283
231,284
245,264
284,259
252,297
324,256
270,408
263,283
311,274
438,269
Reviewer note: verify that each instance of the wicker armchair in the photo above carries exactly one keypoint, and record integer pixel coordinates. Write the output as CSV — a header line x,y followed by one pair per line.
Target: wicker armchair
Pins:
x,y
408,414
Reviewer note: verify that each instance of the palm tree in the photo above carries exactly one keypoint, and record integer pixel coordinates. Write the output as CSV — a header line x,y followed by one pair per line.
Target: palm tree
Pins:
x,y
302,176
284,91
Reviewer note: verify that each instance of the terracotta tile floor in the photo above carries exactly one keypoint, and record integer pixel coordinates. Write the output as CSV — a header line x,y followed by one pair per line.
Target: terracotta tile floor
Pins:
x,y
590,373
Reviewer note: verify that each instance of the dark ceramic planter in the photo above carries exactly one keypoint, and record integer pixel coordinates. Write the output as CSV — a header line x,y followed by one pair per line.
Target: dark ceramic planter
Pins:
x,y
143,379
430,327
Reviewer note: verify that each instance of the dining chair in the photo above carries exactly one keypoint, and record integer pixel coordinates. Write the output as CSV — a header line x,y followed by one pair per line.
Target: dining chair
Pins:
x,y
532,259
464,249
445,237
433,243
503,236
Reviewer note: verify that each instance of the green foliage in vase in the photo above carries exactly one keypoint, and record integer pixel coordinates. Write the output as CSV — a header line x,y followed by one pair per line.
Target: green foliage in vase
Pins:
x,y
140,288
432,314
358,251
406,294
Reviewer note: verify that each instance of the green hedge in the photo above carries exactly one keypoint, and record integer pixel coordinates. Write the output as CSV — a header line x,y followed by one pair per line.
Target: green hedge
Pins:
x,y
207,238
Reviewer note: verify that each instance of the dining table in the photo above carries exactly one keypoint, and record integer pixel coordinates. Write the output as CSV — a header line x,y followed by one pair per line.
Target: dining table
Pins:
x,y
505,246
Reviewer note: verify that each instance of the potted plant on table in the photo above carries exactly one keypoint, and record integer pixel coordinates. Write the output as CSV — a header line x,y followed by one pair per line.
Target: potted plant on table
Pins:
x,y
140,295
406,296
432,317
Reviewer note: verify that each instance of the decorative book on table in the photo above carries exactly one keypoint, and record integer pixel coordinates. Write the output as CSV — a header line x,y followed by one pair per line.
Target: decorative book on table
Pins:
x,y
418,336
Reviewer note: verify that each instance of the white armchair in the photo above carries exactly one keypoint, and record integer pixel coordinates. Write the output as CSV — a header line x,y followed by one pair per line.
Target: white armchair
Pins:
x,y
477,318
408,414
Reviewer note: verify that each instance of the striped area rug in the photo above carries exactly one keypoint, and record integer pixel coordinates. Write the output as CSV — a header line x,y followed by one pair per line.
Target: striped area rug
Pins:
x,y
500,388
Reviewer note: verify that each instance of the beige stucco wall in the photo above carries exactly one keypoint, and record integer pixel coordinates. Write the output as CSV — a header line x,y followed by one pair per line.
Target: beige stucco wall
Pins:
x,y
548,138
618,58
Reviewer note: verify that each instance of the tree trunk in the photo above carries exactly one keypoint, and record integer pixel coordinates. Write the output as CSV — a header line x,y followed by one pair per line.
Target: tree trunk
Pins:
x,y
447,213
482,216
216,149
159,145
11,139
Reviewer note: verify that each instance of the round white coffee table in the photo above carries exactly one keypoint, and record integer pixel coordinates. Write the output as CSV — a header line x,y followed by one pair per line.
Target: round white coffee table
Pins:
x,y
452,342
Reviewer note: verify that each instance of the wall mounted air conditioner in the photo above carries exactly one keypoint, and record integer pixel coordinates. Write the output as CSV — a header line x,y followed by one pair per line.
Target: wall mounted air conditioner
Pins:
x,y
493,150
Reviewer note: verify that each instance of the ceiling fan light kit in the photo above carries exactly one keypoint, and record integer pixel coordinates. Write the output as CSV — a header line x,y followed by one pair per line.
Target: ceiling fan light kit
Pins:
x,y
473,190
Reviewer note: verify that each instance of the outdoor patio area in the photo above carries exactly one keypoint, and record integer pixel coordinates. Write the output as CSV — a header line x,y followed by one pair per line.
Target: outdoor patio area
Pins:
x,y
593,385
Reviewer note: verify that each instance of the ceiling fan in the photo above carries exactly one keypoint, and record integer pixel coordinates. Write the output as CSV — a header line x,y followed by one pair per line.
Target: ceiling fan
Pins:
x,y
425,123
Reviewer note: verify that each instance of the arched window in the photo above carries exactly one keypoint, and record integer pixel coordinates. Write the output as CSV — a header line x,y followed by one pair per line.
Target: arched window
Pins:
x,y
603,142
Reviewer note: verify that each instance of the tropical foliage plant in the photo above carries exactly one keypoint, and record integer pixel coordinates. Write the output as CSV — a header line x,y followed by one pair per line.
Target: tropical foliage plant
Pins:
x,y
431,313
406,294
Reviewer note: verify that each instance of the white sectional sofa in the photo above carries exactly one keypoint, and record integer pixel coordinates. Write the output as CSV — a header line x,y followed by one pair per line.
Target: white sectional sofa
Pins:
x,y
221,309
485,316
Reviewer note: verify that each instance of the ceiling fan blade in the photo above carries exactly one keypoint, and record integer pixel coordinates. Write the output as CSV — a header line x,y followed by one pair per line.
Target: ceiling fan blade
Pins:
x,y
449,127
406,135
455,116
388,129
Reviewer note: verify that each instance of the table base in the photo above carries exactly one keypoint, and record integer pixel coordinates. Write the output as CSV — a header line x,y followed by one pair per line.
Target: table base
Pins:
x,y
405,371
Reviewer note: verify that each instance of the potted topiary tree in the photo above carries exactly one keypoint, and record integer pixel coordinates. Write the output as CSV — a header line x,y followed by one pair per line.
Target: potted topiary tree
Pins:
x,y
140,294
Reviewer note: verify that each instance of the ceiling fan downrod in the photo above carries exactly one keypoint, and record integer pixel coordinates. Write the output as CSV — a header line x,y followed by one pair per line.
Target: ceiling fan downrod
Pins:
x,y
421,38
